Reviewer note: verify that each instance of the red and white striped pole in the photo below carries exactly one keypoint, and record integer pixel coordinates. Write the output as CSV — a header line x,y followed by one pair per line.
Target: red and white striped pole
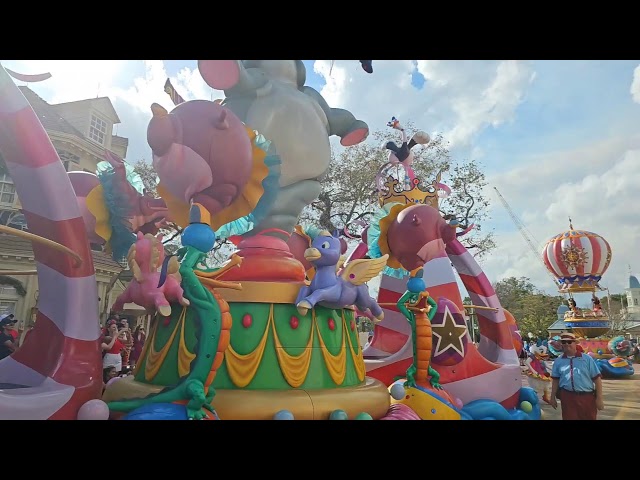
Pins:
x,y
59,365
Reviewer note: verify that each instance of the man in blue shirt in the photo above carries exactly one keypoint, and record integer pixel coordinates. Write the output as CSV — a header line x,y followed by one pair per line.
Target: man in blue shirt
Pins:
x,y
576,381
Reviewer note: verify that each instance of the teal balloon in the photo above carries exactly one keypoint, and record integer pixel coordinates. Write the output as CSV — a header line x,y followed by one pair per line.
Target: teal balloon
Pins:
x,y
364,416
338,415
283,415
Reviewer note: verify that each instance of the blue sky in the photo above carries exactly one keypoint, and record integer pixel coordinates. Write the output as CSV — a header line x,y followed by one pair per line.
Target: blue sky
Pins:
x,y
557,138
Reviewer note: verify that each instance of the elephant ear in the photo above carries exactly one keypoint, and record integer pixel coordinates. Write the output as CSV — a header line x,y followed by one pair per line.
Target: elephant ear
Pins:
x,y
220,74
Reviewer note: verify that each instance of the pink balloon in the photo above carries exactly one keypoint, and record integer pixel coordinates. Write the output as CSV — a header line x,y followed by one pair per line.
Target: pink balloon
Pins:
x,y
458,403
94,410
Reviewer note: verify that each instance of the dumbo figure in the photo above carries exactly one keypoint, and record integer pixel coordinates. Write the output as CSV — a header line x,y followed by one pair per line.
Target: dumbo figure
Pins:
x,y
270,96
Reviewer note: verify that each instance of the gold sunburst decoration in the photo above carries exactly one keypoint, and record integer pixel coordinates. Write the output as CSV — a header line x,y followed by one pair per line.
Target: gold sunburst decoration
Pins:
x,y
385,223
573,256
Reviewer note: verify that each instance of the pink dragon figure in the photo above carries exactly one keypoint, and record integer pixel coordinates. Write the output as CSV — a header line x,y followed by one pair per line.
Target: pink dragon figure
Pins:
x,y
145,258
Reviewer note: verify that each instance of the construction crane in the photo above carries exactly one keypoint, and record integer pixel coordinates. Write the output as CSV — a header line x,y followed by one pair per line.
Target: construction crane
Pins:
x,y
527,237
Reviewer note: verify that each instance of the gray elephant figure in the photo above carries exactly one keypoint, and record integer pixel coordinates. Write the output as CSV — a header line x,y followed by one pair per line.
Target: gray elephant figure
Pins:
x,y
270,97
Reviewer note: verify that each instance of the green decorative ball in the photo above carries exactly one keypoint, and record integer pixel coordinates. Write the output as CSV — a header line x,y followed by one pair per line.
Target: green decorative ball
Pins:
x,y
526,407
363,416
338,415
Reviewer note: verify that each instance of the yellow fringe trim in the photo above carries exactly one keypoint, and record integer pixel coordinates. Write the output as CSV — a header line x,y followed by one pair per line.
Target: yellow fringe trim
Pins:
x,y
293,367
185,357
242,368
336,364
156,359
358,359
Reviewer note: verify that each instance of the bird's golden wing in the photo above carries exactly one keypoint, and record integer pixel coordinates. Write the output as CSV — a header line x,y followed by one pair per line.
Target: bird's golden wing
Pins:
x,y
361,271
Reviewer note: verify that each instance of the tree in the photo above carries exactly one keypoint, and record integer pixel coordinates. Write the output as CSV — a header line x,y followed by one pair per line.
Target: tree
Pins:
x,y
533,310
539,312
618,316
150,181
148,175
615,303
511,291
349,192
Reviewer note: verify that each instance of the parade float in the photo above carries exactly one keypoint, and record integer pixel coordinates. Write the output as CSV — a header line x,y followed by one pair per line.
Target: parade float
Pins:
x,y
269,334
578,260
477,381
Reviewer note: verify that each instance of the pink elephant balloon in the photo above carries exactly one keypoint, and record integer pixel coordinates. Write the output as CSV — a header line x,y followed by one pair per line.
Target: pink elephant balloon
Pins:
x,y
418,235
201,152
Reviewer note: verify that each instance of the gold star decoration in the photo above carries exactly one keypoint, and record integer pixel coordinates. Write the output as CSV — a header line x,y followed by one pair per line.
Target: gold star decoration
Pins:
x,y
449,334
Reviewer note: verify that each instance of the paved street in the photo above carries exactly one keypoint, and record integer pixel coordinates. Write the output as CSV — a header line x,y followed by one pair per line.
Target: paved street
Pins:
x,y
621,399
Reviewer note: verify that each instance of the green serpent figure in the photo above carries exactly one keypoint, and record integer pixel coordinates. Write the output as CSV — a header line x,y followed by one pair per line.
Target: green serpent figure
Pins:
x,y
417,299
197,239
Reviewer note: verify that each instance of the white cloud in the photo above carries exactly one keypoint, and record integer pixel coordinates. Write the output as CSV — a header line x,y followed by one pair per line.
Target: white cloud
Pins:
x,y
71,79
132,86
459,98
635,85
480,94
596,185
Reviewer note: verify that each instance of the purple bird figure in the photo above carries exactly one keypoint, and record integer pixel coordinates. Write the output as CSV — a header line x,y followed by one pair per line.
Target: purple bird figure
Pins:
x,y
332,290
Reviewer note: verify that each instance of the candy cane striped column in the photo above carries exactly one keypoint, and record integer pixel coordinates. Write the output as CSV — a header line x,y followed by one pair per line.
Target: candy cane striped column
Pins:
x,y
496,344
391,349
59,364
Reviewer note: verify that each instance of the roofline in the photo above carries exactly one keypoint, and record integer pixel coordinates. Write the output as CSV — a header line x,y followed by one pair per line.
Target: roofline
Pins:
x,y
91,100
78,132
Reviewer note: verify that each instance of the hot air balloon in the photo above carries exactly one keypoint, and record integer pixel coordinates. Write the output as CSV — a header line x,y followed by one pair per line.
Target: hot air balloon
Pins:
x,y
577,258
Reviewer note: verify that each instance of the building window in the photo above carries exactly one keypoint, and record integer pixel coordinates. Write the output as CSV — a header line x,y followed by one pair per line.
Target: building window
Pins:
x,y
97,130
7,307
8,298
635,301
13,219
7,190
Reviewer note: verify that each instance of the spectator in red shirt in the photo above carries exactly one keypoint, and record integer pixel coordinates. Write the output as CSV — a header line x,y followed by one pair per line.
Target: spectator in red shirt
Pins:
x,y
112,348
12,328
